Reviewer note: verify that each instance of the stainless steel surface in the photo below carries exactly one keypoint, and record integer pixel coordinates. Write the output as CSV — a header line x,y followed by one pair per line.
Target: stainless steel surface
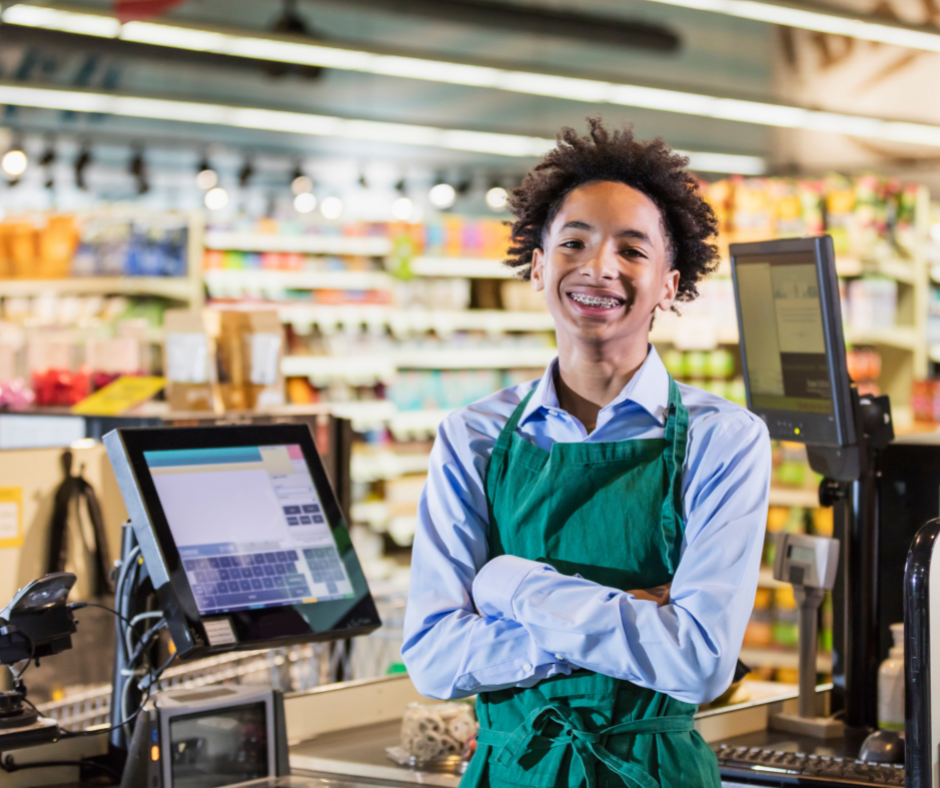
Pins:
x,y
361,753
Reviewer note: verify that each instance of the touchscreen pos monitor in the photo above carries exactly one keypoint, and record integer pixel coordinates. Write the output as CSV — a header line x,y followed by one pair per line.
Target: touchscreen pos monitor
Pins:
x,y
792,347
242,536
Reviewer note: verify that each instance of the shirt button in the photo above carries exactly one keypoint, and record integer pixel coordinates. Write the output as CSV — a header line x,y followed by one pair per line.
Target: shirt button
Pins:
x,y
527,667
559,657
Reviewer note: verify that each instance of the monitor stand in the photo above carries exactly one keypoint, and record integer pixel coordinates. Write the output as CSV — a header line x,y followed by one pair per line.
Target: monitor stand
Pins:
x,y
850,487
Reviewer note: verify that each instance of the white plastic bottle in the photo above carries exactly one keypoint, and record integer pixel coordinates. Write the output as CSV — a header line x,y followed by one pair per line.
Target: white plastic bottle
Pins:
x,y
891,684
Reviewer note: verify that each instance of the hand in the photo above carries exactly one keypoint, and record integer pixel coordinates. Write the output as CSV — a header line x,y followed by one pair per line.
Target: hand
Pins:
x,y
659,595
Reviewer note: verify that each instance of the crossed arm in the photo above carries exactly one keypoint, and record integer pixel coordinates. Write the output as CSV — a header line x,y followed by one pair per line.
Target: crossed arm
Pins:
x,y
474,625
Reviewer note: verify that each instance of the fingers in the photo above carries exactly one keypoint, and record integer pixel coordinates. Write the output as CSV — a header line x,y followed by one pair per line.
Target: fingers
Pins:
x,y
659,594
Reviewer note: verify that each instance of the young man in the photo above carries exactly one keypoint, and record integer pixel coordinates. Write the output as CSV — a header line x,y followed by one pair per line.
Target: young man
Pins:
x,y
588,544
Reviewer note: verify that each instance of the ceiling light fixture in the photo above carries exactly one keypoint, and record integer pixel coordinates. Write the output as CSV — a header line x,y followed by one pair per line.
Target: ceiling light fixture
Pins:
x,y
497,197
829,21
206,177
442,195
82,161
14,162
574,89
216,198
246,173
137,167
331,207
402,208
305,202
326,125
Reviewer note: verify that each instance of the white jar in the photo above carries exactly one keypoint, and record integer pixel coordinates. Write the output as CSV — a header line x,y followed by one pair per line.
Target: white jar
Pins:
x,y
891,684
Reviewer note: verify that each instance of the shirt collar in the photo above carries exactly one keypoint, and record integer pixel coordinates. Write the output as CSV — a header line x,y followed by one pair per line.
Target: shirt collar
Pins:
x,y
648,388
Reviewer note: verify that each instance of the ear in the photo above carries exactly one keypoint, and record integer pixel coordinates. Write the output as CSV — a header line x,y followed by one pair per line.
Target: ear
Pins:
x,y
536,275
670,290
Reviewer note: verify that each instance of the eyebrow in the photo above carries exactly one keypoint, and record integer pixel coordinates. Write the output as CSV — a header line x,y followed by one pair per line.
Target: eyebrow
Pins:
x,y
628,233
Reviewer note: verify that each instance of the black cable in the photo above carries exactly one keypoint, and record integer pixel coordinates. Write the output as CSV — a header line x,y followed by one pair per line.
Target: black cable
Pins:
x,y
32,654
80,605
9,766
154,676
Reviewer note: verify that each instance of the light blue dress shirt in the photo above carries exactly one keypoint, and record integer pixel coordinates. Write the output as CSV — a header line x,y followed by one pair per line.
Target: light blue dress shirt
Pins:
x,y
533,622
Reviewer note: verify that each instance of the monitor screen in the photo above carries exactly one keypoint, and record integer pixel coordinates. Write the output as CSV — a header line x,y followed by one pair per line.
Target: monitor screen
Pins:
x,y
242,535
221,747
249,526
793,352
781,316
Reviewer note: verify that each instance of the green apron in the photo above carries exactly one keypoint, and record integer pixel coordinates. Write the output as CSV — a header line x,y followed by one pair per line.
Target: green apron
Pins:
x,y
610,512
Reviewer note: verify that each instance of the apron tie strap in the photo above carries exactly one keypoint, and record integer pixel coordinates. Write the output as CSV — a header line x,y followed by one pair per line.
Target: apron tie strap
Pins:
x,y
588,746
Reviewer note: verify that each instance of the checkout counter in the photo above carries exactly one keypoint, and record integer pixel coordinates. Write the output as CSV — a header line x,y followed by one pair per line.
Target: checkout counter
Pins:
x,y
194,561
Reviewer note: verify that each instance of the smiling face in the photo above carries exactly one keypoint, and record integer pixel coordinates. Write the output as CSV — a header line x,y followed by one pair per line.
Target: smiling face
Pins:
x,y
605,267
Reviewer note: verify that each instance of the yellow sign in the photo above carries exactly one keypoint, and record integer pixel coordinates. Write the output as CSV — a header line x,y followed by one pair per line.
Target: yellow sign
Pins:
x,y
11,517
118,396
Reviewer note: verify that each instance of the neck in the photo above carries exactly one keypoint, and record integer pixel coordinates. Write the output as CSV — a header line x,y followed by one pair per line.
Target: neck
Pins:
x,y
592,376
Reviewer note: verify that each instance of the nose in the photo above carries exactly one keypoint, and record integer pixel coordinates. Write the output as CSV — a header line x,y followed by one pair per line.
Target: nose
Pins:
x,y
602,265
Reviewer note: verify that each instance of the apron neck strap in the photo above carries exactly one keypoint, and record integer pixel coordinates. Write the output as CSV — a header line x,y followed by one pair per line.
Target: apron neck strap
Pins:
x,y
505,435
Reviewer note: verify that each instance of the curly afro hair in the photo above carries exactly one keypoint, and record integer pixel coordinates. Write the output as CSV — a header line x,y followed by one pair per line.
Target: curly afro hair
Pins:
x,y
649,167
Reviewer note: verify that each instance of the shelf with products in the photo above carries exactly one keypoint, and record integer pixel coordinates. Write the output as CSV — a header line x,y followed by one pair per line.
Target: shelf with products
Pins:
x,y
413,321
782,659
83,296
384,367
298,243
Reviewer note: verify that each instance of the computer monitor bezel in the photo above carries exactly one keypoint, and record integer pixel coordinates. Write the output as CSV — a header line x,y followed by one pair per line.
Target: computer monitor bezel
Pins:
x,y
837,430
126,449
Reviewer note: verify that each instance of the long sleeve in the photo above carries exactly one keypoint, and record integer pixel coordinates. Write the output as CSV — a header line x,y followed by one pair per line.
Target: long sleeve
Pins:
x,y
689,648
451,651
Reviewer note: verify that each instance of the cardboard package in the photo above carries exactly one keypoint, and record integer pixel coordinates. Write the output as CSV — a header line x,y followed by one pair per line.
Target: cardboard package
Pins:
x,y
250,347
189,360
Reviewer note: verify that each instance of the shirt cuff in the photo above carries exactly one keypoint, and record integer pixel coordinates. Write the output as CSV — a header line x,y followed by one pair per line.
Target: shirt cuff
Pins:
x,y
497,582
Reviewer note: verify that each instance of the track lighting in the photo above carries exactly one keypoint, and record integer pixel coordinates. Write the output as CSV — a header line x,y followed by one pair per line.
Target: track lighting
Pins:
x,y
14,161
81,164
216,198
402,208
497,197
246,173
305,202
300,183
206,177
442,195
46,161
138,168
331,207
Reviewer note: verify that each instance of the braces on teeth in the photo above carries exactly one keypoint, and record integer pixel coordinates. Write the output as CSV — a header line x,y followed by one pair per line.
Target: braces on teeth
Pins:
x,y
607,303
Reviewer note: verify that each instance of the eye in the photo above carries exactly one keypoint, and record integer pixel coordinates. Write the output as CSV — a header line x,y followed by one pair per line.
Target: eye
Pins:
x,y
632,251
573,244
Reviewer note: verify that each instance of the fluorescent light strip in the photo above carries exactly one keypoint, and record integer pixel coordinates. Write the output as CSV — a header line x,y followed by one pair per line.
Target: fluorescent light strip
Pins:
x,y
326,125
593,91
816,20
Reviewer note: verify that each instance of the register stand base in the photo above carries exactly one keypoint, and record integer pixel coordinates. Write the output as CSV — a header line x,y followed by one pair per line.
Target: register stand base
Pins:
x,y
817,727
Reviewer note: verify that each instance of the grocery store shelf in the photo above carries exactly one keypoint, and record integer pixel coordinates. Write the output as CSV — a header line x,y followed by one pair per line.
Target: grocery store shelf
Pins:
x,y
484,358
179,288
357,368
899,270
369,467
403,321
469,267
783,496
772,658
901,337
692,333
362,370
416,423
301,244
224,283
